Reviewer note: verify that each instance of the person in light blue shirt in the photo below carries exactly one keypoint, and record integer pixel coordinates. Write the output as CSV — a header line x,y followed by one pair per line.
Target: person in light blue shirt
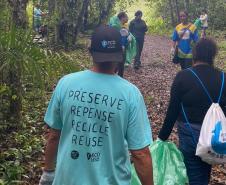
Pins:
x,y
38,17
96,117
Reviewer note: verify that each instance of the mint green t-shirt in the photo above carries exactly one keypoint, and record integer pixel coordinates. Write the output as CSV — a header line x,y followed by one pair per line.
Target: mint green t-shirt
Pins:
x,y
101,117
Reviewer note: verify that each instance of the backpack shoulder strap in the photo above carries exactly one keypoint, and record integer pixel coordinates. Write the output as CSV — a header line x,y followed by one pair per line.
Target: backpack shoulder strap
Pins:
x,y
222,87
188,124
200,81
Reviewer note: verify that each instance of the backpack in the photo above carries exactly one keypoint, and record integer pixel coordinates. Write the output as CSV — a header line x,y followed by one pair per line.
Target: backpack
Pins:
x,y
211,146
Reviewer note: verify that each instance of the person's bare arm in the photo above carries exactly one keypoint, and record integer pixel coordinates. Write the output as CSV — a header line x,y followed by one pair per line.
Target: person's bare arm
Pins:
x,y
174,44
51,149
143,165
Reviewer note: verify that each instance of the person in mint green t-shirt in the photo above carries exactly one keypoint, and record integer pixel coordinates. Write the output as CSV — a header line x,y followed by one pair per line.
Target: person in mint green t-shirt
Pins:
x,y
96,118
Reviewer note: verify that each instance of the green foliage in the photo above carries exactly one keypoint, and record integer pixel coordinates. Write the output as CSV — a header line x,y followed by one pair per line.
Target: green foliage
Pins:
x,y
17,48
216,10
156,24
4,14
38,66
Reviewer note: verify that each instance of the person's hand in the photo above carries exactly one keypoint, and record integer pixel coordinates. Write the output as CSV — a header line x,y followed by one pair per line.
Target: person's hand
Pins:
x,y
158,139
129,38
172,51
47,178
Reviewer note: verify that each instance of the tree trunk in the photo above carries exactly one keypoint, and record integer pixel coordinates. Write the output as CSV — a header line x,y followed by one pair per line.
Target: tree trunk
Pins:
x,y
109,8
186,5
171,13
86,14
15,107
19,16
177,10
79,21
51,6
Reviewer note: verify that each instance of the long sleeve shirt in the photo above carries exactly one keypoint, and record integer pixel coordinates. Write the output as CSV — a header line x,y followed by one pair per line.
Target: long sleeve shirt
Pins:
x,y
187,89
138,28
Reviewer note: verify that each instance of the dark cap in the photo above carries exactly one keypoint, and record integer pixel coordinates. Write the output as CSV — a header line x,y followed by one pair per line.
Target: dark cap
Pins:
x,y
106,45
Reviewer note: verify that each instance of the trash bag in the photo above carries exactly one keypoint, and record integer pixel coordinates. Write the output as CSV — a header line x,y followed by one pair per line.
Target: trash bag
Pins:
x,y
131,49
198,24
134,180
168,165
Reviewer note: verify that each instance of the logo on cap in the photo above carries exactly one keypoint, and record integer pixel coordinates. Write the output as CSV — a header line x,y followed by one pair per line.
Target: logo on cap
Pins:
x,y
110,44
104,43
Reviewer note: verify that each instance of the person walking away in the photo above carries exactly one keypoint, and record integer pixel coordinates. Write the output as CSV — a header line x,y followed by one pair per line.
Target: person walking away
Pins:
x,y
138,28
93,127
184,36
188,91
204,20
119,22
38,17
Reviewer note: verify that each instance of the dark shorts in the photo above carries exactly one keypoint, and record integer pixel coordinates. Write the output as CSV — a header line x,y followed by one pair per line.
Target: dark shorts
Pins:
x,y
197,170
204,28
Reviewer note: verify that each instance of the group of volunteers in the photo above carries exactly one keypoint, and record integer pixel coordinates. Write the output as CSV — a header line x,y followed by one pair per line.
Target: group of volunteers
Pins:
x,y
87,147
134,33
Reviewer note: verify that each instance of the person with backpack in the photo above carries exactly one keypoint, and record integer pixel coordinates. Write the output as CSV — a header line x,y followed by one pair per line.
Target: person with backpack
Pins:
x,y
97,119
192,93
184,36
138,28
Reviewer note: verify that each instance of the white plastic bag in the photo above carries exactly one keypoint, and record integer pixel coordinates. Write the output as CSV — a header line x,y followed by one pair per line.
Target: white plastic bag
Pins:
x,y
212,140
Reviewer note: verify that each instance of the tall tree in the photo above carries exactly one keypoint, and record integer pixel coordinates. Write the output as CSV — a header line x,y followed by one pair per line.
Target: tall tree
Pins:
x,y
186,5
177,10
19,16
171,13
20,20
80,20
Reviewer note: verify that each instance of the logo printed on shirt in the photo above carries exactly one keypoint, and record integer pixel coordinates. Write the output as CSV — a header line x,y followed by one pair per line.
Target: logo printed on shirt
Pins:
x,y
74,154
93,157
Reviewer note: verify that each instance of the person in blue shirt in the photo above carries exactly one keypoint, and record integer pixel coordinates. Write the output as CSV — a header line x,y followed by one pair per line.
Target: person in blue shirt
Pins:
x,y
184,36
97,119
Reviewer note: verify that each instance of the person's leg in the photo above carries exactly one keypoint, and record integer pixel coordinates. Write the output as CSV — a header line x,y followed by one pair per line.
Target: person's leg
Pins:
x,y
198,171
203,33
138,54
140,44
141,48
205,28
185,63
121,65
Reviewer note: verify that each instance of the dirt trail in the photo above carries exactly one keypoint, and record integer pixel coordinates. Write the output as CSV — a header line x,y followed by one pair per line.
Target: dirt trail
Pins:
x,y
154,79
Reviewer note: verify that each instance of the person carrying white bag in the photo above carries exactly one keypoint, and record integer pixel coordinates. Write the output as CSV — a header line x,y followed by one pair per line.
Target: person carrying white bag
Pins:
x,y
212,140
188,90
